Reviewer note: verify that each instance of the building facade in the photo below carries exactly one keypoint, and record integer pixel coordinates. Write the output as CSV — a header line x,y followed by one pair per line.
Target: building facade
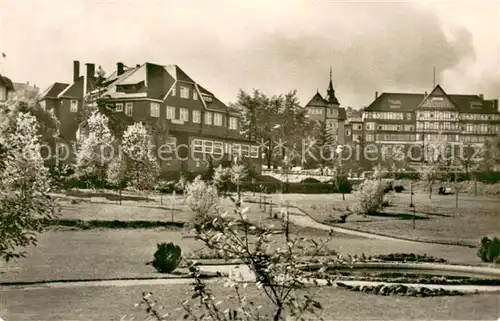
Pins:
x,y
328,110
194,124
414,119
6,89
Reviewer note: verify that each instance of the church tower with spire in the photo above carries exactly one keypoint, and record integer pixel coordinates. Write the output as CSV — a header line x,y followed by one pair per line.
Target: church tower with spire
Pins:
x,y
328,110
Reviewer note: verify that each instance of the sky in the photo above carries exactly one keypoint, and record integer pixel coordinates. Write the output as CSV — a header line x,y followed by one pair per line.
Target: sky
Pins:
x,y
274,46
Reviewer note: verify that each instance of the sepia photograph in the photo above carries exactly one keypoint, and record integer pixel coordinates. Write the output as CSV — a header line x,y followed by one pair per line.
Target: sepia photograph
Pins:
x,y
249,160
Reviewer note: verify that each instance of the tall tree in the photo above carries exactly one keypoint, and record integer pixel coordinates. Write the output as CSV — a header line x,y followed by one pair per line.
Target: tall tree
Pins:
x,y
25,204
95,148
324,144
141,165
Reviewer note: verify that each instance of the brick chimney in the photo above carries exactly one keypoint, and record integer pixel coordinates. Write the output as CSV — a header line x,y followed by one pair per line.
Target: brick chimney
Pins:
x,y
376,94
89,78
76,70
138,65
481,96
119,68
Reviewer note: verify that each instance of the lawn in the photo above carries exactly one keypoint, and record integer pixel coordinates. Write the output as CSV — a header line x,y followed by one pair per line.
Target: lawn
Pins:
x,y
120,253
436,219
111,303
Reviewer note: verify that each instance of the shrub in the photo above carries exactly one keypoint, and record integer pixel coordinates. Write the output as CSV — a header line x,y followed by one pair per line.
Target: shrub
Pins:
x,y
370,197
201,198
222,180
167,257
398,188
489,250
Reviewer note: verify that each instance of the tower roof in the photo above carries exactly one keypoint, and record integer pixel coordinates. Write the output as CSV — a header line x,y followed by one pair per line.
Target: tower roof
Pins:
x,y
330,92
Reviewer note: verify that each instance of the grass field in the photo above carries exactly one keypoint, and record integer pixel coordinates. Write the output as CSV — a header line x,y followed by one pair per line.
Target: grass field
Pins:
x,y
67,254
437,219
111,303
111,253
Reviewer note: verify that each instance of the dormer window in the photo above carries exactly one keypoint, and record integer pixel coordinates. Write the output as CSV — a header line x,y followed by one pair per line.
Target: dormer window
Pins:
x,y
394,103
207,98
476,105
184,92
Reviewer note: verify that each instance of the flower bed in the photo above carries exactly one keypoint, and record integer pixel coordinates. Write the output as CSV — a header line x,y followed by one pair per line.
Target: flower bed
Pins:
x,y
399,289
395,277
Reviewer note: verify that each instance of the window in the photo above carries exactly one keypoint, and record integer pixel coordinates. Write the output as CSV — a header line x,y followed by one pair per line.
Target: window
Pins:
x,y
245,150
254,151
196,116
233,123
476,105
218,148
369,138
155,109
170,112
184,114
43,105
128,109
236,150
408,116
74,106
348,132
172,92
208,147
370,126
198,145
208,118
3,93
119,107
394,103
195,95
184,92
217,119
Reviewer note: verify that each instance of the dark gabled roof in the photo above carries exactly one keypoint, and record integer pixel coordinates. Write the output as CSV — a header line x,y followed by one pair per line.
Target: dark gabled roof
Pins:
x,y
410,102
178,74
53,90
465,102
407,102
6,82
316,101
74,90
216,104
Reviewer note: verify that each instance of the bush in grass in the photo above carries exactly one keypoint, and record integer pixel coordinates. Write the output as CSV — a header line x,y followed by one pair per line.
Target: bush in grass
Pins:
x,y
370,197
201,198
489,250
398,188
167,257
222,180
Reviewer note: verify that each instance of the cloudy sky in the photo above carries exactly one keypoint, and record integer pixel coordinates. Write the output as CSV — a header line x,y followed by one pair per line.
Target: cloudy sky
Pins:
x,y
275,46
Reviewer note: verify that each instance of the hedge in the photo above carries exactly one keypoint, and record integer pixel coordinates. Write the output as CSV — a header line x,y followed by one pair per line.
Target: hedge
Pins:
x,y
484,177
